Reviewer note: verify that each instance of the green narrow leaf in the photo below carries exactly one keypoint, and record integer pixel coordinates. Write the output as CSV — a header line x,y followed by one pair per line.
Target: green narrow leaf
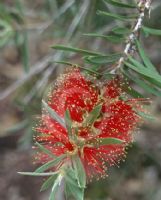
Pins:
x,y
107,75
71,186
151,31
80,172
93,115
142,84
64,48
89,70
53,114
138,67
73,64
112,38
6,32
102,59
50,164
25,52
110,141
55,188
70,177
38,174
144,57
119,17
49,182
120,4
153,81
68,123
121,30
76,192
146,116
5,27
46,151
134,93
17,14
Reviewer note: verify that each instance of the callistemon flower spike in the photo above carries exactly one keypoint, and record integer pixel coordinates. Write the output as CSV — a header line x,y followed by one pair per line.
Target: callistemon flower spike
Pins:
x,y
86,125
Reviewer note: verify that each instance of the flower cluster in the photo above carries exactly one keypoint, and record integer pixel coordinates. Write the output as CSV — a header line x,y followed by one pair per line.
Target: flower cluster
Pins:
x,y
99,127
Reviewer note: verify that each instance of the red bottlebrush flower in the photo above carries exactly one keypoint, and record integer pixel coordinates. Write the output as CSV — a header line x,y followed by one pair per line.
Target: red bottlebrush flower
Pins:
x,y
98,112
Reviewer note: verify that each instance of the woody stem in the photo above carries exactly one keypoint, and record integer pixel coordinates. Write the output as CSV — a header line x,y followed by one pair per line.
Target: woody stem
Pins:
x,y
143,5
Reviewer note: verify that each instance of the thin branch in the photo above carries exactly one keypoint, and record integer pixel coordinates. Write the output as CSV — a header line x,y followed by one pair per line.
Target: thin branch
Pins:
x,y
36,69
143,5
42,64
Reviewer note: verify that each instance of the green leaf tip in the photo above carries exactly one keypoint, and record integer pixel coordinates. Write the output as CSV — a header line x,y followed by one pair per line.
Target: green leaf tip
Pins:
x,y
120,4
43,149
76,50
110,141
72,187
112,38
152,31
80,171
50,164
49,182
93,115
116,16
103,59
53,114
68,123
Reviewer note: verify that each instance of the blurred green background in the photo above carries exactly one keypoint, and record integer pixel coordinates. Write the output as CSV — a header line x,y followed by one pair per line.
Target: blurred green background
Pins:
x,y
28,29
